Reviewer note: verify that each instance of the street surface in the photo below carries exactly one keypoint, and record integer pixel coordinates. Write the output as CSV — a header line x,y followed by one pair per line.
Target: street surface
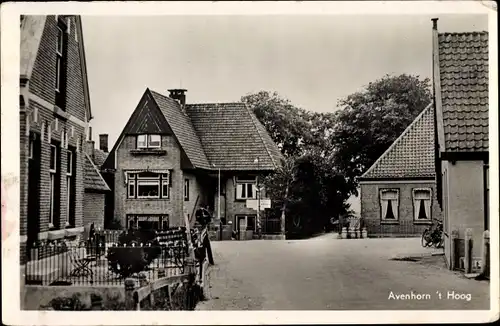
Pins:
x,y
326,273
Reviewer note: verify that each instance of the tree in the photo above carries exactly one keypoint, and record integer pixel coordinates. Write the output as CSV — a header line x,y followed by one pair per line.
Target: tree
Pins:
x,y
372,119
308,188
287,125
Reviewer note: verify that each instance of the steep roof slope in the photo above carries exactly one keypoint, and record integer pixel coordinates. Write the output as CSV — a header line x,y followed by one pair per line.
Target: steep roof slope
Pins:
x,y
411,155
232,137
182,129
92,179
463,65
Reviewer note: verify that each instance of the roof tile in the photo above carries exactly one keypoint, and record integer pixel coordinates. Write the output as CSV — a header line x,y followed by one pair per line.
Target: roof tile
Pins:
x,y
92,178
232,136
463,63
411,155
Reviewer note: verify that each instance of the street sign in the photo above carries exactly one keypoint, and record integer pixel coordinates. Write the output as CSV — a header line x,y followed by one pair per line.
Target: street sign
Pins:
x,y
253,203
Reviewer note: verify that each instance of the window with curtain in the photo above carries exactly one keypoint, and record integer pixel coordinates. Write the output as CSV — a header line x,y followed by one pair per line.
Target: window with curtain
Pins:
x,y
422,204
389,203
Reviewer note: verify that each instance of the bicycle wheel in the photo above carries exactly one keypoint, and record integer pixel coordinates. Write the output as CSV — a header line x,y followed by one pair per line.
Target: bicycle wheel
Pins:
x,y
440,243
425,238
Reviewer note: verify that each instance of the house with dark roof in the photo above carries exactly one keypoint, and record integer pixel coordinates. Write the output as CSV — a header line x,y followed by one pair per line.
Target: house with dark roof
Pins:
x,y
460,84
398,192
172,158
54,119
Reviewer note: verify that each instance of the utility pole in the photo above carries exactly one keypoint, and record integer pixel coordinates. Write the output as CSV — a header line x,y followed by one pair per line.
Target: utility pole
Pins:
x,y
259,228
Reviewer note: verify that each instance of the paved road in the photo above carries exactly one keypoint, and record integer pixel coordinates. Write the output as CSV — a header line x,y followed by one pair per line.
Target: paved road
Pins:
x,y
326,273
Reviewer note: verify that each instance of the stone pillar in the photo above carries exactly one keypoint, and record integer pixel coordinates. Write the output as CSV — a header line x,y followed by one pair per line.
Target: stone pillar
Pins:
x,y
468,251
130,287
454,250
485,263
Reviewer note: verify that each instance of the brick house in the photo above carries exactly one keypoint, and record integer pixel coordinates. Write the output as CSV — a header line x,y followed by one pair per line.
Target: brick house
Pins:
x,y
398,192
170,155
95,187
460,84
54,120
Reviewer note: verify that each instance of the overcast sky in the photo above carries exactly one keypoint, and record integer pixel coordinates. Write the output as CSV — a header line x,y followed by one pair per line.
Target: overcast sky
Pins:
x,y
311,60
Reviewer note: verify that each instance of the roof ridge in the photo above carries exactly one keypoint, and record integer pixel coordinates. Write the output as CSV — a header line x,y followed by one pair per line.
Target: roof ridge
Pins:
x,y
463,33
213,103
96,170
253,118
395,142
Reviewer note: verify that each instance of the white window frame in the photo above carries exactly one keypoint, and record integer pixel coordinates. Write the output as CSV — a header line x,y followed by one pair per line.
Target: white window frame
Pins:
x,y
52,173
165,185
148,142
143,144
134,180
246,183
384,204
148,183
59,59
69,175
31,149
53,159
427,204
154,143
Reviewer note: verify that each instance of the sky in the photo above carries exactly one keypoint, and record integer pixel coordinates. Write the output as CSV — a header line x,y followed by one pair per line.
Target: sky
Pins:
x,y
311,60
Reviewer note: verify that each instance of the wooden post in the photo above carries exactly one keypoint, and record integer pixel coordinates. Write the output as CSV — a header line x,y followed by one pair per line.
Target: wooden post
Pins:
x,y
130,287
485,264
454,251
143,281
468,251
208,248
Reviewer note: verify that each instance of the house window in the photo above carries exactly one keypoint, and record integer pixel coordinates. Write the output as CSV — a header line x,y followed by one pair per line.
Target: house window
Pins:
x,y
422,204
389,203
246,187
31,149
148,141
148,185
186,189
60,88
53,183
70,188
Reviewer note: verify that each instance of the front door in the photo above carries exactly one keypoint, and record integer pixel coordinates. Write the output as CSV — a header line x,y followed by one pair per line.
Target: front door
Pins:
x,y
245,223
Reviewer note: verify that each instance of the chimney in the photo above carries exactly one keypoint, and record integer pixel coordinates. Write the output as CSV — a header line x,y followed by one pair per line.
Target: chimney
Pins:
x,y
179,95
103,142
89,148
435,23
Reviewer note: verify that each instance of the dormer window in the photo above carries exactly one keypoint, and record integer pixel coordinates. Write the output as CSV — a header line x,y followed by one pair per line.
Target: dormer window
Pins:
x,y
148,141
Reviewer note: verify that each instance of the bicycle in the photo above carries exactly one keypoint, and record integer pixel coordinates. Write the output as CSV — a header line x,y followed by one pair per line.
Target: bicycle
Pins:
x,y
433,236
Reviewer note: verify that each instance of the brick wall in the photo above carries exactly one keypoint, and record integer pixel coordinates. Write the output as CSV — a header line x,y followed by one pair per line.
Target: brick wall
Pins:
x,y
371,211
42,86
172,206
93,204
195,190
236,207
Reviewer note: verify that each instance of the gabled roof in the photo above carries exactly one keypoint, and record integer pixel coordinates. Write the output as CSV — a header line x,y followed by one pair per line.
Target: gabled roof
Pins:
x,y
232,137
183,130
92,179
463,86
411,155
31,34
212,136
32,28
